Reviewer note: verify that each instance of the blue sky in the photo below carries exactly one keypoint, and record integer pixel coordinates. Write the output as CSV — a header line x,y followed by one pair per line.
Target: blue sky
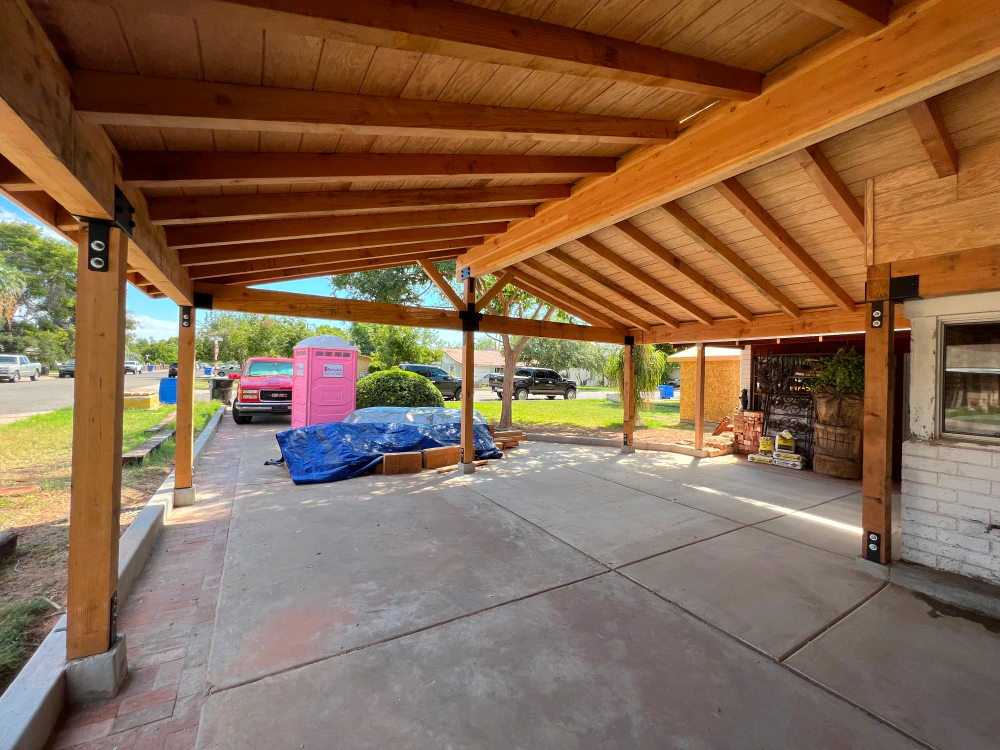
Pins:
x,y
158,317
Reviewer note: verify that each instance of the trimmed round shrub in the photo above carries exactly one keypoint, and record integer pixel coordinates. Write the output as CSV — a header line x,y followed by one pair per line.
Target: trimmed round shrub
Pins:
x,y
397,388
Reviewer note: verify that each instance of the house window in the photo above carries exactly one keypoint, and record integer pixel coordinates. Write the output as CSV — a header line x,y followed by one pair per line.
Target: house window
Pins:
x,y
971,390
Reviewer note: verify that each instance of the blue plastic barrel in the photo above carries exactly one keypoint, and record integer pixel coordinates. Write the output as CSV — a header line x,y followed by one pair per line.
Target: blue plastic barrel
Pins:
x,y
149,368
168,390
670,391
208,370
663,391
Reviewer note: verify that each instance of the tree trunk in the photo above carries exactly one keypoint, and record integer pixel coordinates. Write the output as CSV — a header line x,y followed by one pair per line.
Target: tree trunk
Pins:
x,y
507,395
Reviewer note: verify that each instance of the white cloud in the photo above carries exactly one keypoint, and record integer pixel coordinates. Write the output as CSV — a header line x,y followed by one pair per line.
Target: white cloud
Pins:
x,y
154,328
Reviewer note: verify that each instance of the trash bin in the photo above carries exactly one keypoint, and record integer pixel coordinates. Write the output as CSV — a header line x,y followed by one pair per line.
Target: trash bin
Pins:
x,y
666,391
221,389
149,368
168,390
208,370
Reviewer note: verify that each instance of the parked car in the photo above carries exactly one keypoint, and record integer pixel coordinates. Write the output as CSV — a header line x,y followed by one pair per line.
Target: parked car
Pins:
x,y
172,370
231,371
450,387
265,388
132,367
536,381
13,367
68,368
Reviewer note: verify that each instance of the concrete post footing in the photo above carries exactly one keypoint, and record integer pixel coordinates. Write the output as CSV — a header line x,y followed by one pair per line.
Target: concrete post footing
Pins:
x,y
628,449
464,468
98,677
185,496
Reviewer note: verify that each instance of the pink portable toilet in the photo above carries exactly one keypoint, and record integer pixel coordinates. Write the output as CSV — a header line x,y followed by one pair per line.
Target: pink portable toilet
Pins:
x,y
325,380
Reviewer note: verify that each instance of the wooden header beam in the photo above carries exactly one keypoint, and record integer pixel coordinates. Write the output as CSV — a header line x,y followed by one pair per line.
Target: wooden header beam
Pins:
x,y
114,99
201,235
467,32
215,208
928,47
216,169
239,299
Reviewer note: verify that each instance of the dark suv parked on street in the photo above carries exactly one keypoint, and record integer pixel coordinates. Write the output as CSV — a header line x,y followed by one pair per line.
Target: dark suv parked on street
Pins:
x,y
450,387
535,381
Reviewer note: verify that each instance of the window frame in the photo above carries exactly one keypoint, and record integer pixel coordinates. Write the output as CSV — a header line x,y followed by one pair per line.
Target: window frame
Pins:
x,y
943,323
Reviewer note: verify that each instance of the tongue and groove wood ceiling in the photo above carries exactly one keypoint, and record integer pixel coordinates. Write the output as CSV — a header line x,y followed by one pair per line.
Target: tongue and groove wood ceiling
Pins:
x,y
224,116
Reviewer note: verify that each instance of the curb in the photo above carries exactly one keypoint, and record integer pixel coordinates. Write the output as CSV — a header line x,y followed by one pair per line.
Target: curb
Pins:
x,y
640,445
31,705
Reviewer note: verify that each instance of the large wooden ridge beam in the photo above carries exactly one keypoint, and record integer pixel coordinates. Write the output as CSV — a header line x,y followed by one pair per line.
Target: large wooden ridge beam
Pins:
x,y
114,99
286,229
216,169
928,47
239,299
215,208
464,31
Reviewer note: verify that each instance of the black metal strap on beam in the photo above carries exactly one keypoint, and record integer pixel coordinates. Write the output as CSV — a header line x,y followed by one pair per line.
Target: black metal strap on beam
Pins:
x,y
630,341
203,300
470,317
187,315
99,232
902,288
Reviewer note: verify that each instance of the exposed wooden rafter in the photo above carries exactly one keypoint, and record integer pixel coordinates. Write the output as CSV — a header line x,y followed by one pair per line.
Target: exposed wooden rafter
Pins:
x,y
327,269
576,290
217,169
283,248
644,278
933,132
859,16
206,209
442,284
467,32
560,300
201,235
778,236
713,244
655,250
501,280
926,48
825,177
114,99
608,285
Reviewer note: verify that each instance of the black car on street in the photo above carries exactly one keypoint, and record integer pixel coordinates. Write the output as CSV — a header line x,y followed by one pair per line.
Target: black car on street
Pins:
x,y
450,387
535,381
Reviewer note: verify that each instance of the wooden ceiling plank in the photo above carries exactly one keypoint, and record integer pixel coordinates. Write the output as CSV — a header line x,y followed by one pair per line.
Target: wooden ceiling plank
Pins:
x,y
502,279
862,17
144,169
145,101
230,268
219,208
934,136
644,278
747,205
442,284
560,300
282,248
700,234
312,272
201,235
578,291
655,250
928,47
467,32
607,284
825,177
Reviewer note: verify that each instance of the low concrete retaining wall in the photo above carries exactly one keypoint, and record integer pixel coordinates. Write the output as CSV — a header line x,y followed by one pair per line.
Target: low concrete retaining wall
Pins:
x,y
30,707
640,445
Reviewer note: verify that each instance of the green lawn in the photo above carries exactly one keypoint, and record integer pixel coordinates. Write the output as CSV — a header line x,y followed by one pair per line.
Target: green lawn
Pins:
x,y
596,413
36,453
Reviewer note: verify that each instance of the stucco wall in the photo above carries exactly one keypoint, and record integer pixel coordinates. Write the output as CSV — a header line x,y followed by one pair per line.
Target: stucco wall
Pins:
x,y
722,389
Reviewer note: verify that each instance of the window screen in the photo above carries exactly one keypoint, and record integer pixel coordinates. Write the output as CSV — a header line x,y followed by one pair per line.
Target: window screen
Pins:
x,y
971,391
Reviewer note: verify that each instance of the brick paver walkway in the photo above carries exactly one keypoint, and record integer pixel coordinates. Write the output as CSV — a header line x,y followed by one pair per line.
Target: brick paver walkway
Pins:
x,y
168,621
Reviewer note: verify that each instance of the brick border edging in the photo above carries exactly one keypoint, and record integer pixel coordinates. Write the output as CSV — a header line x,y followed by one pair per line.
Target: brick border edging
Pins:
x,y
641,445
32,704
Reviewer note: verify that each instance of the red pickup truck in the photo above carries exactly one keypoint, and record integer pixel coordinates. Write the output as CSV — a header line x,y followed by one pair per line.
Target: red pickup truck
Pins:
x,y
265,388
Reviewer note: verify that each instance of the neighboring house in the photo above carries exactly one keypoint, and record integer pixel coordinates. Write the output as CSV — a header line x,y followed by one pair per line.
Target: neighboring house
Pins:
x,y
585,377
722,381
363,361
488,362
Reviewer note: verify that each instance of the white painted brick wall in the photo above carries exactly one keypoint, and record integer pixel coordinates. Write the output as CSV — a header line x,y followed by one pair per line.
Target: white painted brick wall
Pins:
x,y
951,507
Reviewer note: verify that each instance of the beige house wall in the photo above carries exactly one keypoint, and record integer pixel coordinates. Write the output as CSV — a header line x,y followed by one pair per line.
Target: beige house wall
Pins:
x,y
722,389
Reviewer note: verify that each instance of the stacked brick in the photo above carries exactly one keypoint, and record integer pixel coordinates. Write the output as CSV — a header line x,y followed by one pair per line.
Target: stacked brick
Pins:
x,y
748,426
951,507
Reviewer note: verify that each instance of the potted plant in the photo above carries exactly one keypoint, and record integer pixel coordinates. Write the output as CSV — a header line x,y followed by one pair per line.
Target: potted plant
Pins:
x,y
838,396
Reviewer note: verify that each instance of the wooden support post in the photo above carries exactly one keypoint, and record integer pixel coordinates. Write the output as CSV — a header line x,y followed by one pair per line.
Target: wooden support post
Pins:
x,y
880,377
95,504
628,398
468,465
699,397
184,459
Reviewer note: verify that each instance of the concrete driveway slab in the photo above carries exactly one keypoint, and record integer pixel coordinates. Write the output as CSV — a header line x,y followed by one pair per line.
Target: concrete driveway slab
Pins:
x,y
549,490
259,445
929,668
316,570
599,664
767,591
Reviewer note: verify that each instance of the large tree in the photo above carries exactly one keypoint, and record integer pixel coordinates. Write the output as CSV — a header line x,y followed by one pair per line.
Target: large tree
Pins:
x,y
392,345
244,336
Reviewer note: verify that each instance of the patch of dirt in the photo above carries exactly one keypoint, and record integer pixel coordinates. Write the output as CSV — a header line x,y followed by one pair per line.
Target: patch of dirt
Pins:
x,y
661,435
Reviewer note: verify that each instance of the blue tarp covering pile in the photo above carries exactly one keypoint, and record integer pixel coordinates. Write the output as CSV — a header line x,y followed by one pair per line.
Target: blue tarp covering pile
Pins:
x,y
331,452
